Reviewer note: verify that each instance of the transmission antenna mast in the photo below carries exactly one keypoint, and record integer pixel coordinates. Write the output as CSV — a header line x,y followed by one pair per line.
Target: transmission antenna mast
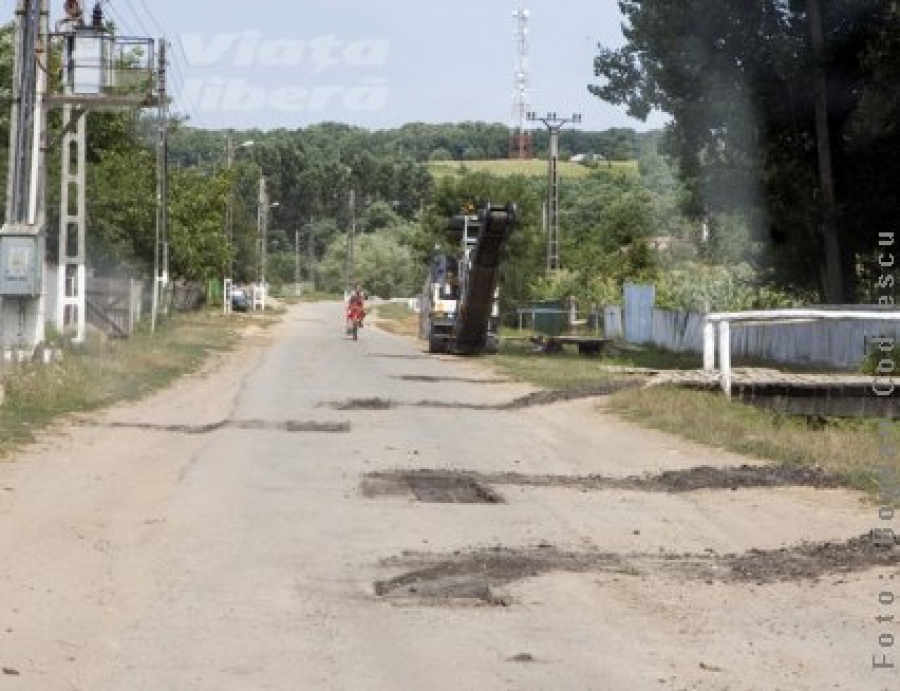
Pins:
x,y
520,145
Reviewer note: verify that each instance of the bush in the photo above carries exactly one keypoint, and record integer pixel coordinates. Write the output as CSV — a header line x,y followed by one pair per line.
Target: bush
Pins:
x,y
703,288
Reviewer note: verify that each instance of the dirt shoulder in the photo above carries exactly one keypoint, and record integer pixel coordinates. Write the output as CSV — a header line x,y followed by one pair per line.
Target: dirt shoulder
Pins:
x,y
85,525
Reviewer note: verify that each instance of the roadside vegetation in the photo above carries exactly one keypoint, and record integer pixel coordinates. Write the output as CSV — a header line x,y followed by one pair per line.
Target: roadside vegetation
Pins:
x,y
103,372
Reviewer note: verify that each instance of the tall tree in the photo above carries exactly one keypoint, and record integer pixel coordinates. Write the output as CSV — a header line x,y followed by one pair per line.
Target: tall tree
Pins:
x,y
740,80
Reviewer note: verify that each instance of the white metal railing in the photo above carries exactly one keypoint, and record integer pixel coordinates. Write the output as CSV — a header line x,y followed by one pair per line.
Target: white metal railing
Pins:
x,y
717,330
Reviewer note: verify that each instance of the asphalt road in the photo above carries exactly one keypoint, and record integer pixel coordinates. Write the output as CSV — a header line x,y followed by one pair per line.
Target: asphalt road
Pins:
x,y
229,535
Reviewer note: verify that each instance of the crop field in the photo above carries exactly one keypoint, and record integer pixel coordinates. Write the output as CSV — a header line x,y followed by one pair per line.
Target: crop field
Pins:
x,y
534,167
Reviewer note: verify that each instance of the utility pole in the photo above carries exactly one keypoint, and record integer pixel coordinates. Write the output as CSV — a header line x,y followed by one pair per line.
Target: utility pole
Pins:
x,y
554,125
92,75
22,237
262,204
262,222
230,153
350,268
297,260
161,251
228,282
311,254
833,280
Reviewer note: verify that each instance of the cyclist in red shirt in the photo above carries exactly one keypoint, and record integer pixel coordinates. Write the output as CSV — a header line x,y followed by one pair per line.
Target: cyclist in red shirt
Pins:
x,y
356,306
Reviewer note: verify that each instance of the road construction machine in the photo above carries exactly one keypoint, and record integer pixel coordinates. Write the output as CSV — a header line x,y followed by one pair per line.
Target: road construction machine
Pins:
x,y
459,305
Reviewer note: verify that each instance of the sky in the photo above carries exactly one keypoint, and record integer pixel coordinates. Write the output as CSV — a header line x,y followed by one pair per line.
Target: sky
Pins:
x,y
261,64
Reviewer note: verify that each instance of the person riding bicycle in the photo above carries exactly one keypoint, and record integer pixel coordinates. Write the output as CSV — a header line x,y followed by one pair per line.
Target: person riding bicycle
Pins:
x,y
356,306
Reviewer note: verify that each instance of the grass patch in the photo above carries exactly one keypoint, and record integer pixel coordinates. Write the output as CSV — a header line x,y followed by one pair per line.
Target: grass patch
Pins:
x,y
397,318
848,447
567,370
103,372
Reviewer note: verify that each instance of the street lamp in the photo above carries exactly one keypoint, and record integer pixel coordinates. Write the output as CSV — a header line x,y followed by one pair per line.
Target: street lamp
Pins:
x,y
554,124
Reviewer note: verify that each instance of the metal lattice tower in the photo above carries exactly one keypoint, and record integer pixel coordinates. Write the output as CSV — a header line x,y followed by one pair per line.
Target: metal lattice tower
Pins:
x,y
520,142
554,125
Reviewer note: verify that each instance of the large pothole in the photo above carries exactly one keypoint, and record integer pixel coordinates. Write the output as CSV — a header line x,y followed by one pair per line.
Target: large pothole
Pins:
x,y
532,400
476,575
441,488
687,480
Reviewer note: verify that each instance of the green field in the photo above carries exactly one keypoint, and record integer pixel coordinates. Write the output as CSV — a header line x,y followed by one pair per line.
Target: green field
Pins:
x,y
534,167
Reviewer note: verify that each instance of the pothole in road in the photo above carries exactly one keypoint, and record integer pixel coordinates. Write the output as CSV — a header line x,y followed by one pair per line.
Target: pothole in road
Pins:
x,y
541,398
538,398
364,404
476,575
440,380
674,481
745,476
399,356
435,488
811,560
283,426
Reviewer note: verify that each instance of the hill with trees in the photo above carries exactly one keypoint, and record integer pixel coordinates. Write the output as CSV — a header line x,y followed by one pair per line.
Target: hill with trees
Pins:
x,y
729,207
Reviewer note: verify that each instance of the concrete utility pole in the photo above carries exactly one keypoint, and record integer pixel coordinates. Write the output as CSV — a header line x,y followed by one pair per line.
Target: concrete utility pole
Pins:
x,y
262,223
351,233
92,75
161,252
230,153
297,260
311,254
22,271
261,206
554,124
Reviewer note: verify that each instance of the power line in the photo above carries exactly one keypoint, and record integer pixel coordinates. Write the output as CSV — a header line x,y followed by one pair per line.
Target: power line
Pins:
x,y
153,19
174,67
182,89
142,30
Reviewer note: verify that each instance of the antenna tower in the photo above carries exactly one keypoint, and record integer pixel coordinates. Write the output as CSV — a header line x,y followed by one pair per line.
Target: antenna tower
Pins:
x,y
520,145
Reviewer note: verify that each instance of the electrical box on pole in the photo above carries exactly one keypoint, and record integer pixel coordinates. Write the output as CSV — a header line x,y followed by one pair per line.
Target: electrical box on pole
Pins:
x,y
21,263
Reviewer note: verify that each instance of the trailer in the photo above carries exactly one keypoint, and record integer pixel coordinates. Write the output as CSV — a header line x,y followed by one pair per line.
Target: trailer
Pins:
x,y
459,306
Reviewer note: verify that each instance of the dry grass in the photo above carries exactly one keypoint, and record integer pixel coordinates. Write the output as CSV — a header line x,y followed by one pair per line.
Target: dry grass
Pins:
x,y
101,373
396,318
848,447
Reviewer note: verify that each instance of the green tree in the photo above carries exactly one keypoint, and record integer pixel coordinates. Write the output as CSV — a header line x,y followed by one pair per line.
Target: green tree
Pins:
x,y
198,248
738,79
